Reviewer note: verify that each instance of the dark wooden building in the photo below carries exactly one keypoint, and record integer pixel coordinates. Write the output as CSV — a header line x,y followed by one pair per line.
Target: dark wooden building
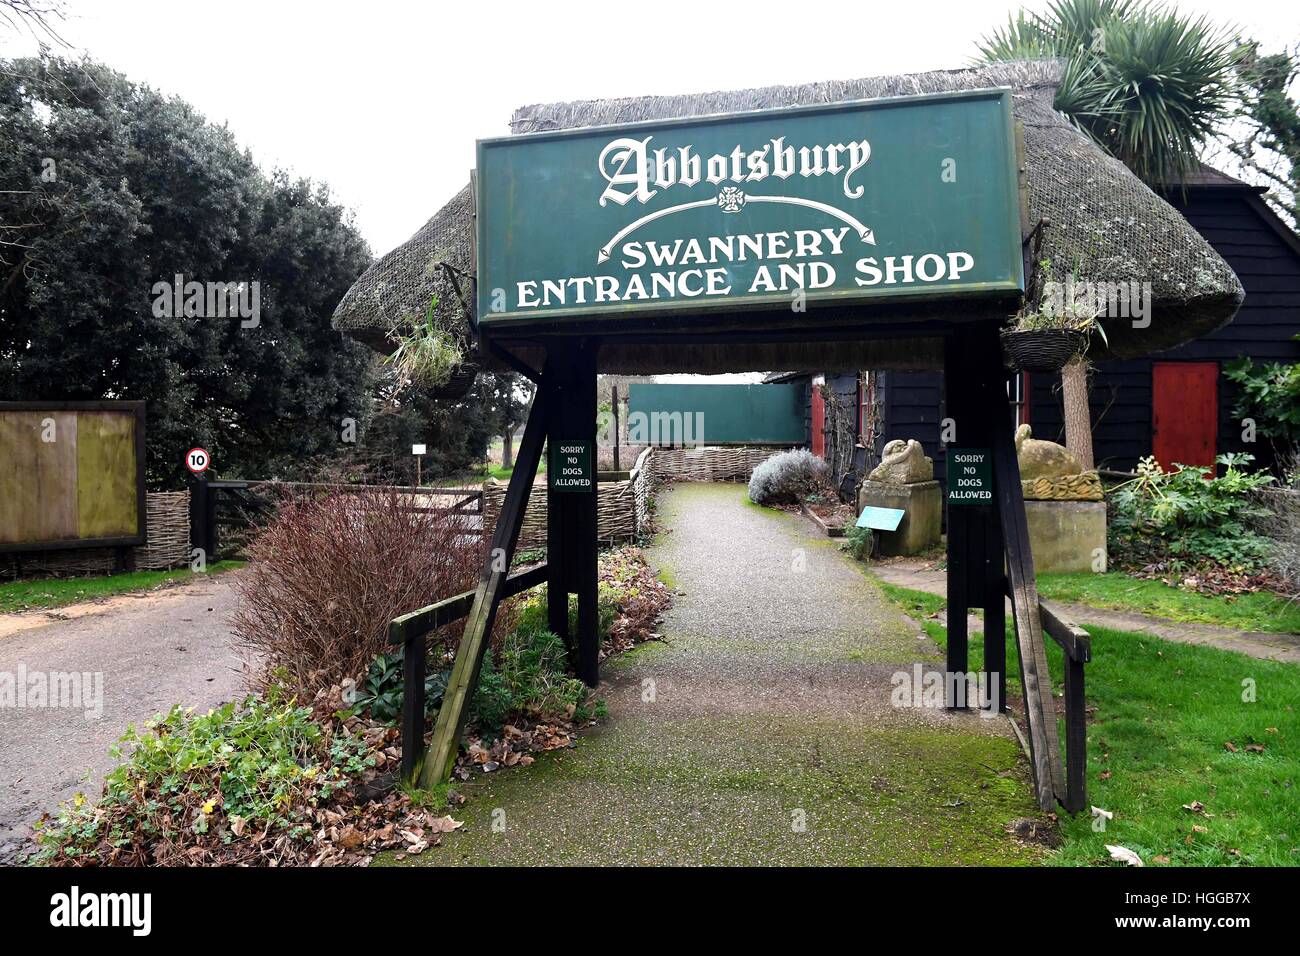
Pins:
x,y
1176,405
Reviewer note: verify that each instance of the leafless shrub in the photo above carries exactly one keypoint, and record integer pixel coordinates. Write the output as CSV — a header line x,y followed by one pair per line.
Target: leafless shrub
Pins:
x,y
329,572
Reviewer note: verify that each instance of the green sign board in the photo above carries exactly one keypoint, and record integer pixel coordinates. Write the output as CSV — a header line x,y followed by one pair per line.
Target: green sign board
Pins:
x,y
694,413
869,201
970,476
571,467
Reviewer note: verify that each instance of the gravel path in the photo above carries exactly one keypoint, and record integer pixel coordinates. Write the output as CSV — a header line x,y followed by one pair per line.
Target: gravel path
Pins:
x,y
149,650
761,730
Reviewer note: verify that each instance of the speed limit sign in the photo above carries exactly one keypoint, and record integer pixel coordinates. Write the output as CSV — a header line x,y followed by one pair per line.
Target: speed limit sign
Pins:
x,y
197,460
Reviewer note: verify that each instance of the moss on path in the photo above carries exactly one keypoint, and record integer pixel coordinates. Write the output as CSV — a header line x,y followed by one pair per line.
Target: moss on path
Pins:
x,y
761,731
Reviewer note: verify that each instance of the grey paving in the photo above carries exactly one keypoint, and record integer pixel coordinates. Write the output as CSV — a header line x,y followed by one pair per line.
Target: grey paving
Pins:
x,y
155,649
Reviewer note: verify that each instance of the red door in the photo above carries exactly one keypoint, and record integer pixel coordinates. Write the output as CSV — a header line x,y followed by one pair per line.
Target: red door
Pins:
x,y
1184,412
818,418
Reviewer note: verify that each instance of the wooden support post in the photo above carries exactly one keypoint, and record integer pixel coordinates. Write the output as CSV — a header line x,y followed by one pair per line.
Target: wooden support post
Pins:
x,y
618,433
413,704
995,611
957,406
1077,646
1076,737
586,557
203,518
478,626
1035,678
557,582
571,369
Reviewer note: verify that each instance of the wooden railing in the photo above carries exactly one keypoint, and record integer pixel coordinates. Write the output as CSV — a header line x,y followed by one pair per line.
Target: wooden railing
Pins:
x,y
411,633
1077,645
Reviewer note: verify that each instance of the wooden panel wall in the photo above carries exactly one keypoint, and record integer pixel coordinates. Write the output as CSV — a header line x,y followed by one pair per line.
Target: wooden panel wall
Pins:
x,y
70,475
106,479
38,479
1253,242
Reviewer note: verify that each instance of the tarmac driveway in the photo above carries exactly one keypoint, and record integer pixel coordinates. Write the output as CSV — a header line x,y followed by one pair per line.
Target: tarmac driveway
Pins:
x,y
133,657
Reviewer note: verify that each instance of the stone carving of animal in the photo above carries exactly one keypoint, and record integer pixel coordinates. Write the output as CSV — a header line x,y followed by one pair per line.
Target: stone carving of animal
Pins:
x,y
903,463
1043,459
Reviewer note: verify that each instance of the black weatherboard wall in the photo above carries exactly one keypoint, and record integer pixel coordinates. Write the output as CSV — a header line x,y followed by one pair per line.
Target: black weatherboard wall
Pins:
x,y
911,405
1259,247
1265,254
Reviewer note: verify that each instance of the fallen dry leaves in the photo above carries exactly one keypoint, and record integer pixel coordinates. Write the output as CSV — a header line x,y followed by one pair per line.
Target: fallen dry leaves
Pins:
x,y
515,746
640,598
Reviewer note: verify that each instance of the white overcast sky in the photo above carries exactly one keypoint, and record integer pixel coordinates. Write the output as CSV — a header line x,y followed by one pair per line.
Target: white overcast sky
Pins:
x,y
384,100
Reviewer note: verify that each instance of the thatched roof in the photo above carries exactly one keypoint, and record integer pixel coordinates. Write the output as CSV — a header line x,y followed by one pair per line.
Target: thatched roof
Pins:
x,y
397,288
1106,226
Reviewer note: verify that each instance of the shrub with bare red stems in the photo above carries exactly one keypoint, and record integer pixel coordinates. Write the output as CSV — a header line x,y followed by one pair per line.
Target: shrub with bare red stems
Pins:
x,y
329,571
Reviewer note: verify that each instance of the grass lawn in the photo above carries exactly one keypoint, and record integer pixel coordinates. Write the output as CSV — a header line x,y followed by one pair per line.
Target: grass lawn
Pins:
x,y
1175,725
1262,611
58,592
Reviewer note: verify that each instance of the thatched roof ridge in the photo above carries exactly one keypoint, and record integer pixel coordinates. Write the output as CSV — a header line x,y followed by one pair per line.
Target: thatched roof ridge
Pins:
x,y
1023,76
1106,226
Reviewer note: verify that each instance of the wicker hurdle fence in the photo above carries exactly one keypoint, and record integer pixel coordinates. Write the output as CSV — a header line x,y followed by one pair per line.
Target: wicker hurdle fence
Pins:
x,y
167,516
710,463
623,505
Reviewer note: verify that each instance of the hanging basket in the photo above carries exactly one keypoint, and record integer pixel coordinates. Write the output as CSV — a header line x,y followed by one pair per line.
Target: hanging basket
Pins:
x,y
1042,350
458,386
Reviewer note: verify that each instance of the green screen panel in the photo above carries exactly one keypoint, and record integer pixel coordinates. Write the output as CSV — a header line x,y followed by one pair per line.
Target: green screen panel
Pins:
x,y
715,414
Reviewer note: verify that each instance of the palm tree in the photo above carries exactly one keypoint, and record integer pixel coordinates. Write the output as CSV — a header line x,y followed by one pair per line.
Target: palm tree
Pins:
x,y
1148,84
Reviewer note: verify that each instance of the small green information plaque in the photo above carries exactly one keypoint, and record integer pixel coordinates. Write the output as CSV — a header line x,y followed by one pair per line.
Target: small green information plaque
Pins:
x,y
881,519
571,467
970,476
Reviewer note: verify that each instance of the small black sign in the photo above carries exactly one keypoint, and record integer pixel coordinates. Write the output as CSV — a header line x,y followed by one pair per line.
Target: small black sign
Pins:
x,y
970,476
570,467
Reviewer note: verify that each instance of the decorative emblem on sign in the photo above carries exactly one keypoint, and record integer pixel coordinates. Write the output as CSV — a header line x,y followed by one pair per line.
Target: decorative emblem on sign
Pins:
x,y
731,199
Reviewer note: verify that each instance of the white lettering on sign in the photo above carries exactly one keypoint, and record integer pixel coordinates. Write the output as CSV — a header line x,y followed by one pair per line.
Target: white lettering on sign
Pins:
x,y
571,467
798,266
633,170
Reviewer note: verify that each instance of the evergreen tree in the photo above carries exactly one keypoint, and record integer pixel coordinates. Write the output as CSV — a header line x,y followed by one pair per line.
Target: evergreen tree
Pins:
x,y
108,188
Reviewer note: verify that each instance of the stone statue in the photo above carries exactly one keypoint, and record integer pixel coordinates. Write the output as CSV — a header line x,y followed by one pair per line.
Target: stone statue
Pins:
x,y
1048,472
903,463
1043,459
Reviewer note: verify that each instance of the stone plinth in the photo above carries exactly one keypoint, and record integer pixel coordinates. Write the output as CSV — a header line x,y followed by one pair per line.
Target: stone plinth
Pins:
x,y
1065,536
922,505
